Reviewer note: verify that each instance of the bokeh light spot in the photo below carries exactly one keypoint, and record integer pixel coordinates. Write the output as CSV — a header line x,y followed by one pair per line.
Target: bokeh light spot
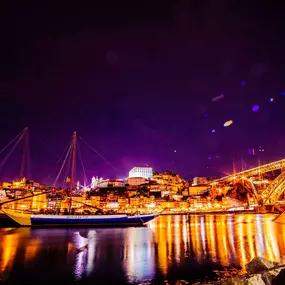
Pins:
x,y
228,123
217,98
255,108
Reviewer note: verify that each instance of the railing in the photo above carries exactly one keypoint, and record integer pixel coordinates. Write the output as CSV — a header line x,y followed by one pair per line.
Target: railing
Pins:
x,y
280,164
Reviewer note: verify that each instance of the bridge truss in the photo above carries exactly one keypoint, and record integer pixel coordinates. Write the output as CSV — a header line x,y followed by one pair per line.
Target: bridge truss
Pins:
x,y
274,189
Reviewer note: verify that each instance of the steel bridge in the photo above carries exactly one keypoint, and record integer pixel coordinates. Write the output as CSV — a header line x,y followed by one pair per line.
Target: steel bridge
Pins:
x,y
273,191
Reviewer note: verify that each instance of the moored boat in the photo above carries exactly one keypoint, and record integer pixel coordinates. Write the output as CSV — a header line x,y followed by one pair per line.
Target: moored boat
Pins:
x,y
30,219
43,220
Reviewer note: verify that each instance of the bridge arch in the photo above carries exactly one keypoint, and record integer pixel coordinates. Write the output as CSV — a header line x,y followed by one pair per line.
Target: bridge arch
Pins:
x,y
274,190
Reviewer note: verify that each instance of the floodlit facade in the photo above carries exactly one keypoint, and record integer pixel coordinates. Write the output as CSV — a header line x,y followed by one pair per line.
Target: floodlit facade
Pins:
x,y
198,190
135,181
172,182
145,172
116,183
199,181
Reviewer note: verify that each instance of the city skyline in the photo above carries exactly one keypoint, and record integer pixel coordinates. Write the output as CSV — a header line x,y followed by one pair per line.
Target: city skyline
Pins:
x,y
85,175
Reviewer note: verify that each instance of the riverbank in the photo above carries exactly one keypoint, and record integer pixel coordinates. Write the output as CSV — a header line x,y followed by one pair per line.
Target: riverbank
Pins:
x,y
259,271
210,213
5,221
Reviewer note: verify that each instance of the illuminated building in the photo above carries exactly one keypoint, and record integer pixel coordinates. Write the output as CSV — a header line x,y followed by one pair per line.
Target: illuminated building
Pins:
x,y
199,181
123,201
144,171
2,195
166,204
95,182
197,190
6,184
165,193
168,182
135,181
22,184
95,201
155,187
140,201
135,201
177,197
116,183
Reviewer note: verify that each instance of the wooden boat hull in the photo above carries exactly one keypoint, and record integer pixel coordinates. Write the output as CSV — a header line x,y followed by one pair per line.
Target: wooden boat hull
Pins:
x,y
33,220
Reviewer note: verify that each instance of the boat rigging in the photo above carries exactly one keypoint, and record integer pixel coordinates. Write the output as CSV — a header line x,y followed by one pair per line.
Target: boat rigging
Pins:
x,y
26,218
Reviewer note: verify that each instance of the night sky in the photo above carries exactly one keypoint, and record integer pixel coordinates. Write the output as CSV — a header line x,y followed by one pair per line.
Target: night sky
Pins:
x,y
136,80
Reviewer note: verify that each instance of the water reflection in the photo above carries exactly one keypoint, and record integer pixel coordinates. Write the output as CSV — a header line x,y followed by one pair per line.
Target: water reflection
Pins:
x,y
139,258
9,245
227,240
86,248
171,247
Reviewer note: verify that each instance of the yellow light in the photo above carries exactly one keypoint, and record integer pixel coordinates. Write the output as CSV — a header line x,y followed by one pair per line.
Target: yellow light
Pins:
x,y
228,123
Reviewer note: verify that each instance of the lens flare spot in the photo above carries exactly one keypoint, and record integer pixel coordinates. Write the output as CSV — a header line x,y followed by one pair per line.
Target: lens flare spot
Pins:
x,y
228,123
217,98
255,108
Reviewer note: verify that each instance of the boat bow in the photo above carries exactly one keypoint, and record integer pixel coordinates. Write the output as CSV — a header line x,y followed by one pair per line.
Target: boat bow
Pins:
x,y
23,219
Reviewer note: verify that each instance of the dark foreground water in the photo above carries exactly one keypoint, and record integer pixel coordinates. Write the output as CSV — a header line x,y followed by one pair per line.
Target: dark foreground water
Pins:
x,y
170,248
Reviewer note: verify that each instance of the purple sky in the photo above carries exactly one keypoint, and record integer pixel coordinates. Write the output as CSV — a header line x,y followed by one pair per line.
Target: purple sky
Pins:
x,y
137,83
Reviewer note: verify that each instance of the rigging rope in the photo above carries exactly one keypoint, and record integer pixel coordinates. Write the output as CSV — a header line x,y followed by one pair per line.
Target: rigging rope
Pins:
x,y
66,171
25,156
65,149
48,151
60,158
99,154
29,172
57,177
14,139
81,160
11,151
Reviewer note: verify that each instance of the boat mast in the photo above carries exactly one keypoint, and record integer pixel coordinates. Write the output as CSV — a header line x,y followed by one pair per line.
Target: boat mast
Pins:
x,y
73,168
24,153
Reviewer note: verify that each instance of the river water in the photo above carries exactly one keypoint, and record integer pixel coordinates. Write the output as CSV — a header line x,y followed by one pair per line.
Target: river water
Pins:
x,y
169,248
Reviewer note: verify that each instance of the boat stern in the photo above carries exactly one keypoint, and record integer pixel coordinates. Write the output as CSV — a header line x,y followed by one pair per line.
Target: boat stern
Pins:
x,y
141,219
